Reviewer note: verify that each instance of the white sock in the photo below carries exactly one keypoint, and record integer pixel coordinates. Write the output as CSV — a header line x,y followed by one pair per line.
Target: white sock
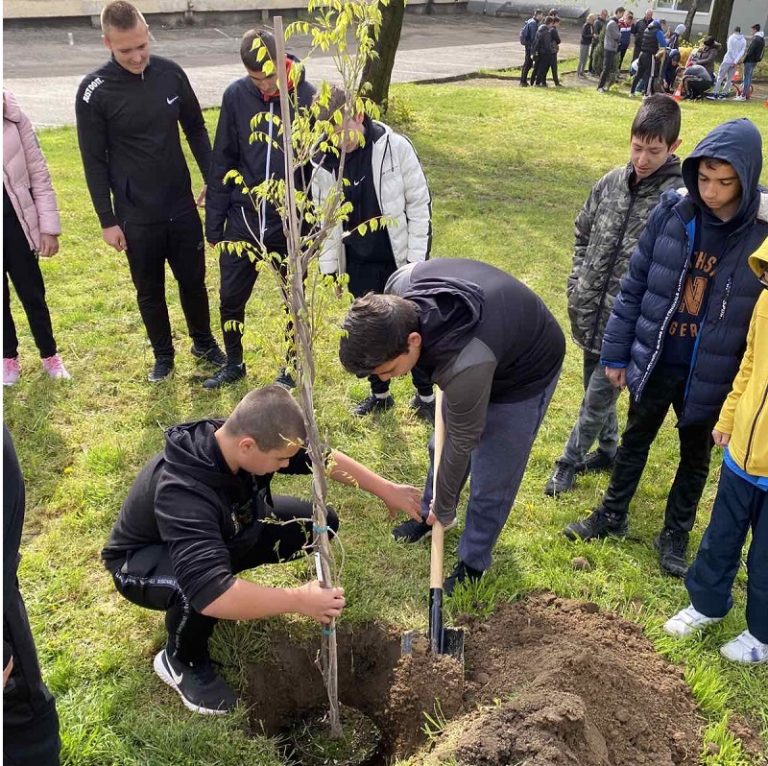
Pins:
x,y
427,399
385,395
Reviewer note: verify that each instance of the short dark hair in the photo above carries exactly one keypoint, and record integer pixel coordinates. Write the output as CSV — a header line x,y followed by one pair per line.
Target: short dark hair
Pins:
x,y
619,10
337,100
756,27
549,20
737,29
658,117
270,416
713,162
377,328
250,55
120,15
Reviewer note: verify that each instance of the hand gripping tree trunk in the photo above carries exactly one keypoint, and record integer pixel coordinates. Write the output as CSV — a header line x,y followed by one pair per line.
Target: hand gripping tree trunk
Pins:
x,y
299,310
306,135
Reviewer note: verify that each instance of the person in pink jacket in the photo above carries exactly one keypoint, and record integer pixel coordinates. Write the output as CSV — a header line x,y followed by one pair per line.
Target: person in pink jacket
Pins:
x,y
31,229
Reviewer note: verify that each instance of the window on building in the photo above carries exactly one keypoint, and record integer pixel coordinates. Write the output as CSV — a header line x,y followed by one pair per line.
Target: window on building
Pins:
x,y
705,6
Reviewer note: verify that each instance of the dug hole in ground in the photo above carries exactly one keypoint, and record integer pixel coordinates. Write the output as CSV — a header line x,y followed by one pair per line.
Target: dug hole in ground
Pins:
x,y
548,681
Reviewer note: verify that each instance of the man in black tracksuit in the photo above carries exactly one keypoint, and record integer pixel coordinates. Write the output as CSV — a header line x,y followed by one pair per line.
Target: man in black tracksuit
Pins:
x,y
653,41
230,215
30,723
496,351
202,511
128,113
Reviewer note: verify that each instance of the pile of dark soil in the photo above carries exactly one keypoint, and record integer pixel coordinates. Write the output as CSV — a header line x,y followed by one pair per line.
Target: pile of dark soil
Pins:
x,y
547,682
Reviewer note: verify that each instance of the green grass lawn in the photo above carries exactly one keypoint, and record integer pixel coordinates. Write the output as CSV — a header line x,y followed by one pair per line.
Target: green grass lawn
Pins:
x,y
509,169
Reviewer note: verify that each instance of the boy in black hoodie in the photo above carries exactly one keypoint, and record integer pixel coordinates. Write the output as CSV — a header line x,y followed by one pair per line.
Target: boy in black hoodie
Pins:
x,y
202,511
496,351
678,328
230,216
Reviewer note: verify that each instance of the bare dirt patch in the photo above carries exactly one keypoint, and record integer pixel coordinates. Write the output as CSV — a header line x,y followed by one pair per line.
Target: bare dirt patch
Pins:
x,y
547,681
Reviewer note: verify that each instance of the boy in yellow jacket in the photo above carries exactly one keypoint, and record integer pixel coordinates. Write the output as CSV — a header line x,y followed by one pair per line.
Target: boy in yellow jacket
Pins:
x,y
741,502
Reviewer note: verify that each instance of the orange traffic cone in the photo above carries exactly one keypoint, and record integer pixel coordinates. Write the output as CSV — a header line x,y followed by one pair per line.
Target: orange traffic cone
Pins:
x,y
678,94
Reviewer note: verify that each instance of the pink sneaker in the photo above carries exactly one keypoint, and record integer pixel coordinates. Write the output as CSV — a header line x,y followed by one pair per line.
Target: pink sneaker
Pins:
x,y
55,367
11,370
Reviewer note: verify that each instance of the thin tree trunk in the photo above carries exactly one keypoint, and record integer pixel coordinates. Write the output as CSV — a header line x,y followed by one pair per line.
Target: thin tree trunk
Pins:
x,y
300,314
720,21
378,70
689,18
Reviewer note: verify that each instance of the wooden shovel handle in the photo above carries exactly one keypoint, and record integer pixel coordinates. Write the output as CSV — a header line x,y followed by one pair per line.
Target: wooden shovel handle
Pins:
x,y
438,533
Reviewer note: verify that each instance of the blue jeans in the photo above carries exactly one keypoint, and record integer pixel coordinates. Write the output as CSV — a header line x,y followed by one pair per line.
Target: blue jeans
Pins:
x,y
497,465
738,506
597,415
748,72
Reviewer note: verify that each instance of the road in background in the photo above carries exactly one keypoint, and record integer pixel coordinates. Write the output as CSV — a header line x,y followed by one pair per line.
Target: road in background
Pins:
x,y
44,70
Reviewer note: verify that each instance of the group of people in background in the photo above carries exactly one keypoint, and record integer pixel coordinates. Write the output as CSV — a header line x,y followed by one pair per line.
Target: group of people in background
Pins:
x,y
540,37
667,297
656,61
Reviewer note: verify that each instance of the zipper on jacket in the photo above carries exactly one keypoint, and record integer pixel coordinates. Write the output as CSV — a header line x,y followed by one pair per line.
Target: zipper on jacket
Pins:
x,y
263,216
754,428
670,312
614,257
724,304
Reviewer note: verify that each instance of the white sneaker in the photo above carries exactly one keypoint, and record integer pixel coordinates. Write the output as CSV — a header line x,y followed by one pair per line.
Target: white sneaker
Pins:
x,y
745,648
739,98
687,621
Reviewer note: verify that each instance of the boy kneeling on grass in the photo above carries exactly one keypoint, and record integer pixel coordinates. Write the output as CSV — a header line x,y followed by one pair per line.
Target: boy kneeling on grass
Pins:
x,y
741,502
677,330
202,511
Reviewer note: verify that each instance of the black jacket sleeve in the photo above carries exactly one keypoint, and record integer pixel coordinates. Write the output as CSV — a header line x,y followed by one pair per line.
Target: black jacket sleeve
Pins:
x,y
92,137
13,520
225,157
193,124
190,525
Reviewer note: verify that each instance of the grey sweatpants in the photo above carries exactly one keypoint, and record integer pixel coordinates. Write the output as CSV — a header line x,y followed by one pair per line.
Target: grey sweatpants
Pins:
x,y
597,415
496,466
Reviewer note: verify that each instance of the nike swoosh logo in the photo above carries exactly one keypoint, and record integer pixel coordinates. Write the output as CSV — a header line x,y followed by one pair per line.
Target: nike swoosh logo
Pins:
x,y
176,678
169,101
357,183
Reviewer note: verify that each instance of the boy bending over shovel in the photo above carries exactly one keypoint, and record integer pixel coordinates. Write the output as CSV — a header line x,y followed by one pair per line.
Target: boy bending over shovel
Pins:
x,y
496,351
202,511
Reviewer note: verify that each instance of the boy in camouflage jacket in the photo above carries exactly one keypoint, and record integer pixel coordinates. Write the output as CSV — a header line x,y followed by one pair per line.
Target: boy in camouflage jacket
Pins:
x,y
607,230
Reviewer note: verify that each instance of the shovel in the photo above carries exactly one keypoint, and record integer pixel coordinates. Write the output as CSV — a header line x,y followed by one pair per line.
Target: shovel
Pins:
x,y
442,640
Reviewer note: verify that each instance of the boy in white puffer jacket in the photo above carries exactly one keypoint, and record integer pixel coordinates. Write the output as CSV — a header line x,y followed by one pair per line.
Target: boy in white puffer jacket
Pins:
x,y
385,181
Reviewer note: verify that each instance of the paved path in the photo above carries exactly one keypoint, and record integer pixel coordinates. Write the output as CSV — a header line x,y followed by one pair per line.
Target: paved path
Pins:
x,y
431,48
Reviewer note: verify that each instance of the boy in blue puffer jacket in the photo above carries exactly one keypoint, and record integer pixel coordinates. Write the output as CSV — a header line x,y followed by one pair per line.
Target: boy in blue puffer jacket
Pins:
x,y
678,328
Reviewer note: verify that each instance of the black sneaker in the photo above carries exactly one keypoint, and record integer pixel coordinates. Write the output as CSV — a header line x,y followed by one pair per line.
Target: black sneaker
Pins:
x,y
562,479
211,355
461,573
672,545
230,373
373,404
200,689
162,369
424,410
596,461
598,524
412,531
285,379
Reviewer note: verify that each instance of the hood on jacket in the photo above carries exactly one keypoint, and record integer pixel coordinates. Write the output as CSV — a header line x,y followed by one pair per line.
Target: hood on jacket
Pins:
x,y
758,261
192,448
11,108
737,142
449,309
